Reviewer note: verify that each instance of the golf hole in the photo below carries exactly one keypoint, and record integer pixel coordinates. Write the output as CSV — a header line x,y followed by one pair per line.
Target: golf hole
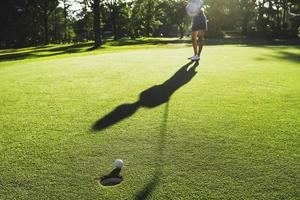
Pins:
x,y
113,178
111,181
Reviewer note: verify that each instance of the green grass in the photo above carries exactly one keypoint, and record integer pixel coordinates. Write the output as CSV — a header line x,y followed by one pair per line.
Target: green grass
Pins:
x,y
58,51
232,132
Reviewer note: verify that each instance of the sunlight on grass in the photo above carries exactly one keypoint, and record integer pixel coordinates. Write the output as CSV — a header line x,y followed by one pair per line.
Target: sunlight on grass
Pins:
x,y
229,132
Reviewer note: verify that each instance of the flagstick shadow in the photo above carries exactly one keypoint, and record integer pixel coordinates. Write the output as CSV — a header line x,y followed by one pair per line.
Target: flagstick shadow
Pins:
x,y
149,188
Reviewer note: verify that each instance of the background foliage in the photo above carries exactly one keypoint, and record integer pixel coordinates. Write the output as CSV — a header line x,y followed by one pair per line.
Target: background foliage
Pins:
x,y
33,22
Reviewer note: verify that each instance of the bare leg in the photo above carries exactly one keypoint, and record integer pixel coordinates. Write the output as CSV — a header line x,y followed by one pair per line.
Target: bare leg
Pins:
x,y
195,41
200,41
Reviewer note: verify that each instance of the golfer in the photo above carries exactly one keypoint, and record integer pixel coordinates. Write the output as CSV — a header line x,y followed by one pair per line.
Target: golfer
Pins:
x,y
199,27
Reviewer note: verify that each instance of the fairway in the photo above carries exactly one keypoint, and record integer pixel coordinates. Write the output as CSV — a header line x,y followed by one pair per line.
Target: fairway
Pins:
x,y
229,130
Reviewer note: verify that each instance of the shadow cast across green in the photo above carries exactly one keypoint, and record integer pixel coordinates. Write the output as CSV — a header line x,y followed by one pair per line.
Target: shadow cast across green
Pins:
x,y
56,50
281,55
150,187
149,98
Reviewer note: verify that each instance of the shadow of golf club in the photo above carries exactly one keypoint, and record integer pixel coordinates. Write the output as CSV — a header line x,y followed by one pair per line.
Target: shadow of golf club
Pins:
x,y
154,182
150,98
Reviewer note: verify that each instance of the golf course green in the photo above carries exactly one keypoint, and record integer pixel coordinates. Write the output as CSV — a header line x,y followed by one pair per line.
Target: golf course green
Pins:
x,y
227,128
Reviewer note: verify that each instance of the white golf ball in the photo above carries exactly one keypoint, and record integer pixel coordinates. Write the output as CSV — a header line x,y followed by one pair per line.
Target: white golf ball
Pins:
x,y
119,163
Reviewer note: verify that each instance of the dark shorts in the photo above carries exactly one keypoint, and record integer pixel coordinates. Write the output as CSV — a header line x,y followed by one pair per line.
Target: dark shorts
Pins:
x,y
199,22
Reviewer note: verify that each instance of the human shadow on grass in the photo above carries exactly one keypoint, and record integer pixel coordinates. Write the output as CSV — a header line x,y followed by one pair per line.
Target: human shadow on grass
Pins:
x,y
149,188
150,98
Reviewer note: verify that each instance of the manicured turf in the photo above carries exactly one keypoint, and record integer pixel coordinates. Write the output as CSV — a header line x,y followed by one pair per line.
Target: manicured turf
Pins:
x,y
230,131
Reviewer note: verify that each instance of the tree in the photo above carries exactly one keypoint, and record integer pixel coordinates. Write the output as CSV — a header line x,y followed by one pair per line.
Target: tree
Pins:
x,y
145,17
117,17
96,13
294,16
46,7
35,22
66,5
247,13
173,18
20,23
232,13
216,16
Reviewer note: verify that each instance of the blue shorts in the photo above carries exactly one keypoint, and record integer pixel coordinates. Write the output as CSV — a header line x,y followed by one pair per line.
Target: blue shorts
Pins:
x,y
199,22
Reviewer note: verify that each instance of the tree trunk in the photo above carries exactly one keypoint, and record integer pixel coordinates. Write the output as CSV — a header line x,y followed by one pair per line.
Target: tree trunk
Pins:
x,y
270,9
65,22
260,21
46,27
86,31
96,12
56,38
114,24
181,30
278,18
245,23
149,18
285,11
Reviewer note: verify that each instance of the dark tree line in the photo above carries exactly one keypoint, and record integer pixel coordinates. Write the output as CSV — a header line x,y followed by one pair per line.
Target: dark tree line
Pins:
x,y
34,22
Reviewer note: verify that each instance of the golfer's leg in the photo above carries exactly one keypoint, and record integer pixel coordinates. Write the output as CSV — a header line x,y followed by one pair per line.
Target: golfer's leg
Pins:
x,y
195,42
201,34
